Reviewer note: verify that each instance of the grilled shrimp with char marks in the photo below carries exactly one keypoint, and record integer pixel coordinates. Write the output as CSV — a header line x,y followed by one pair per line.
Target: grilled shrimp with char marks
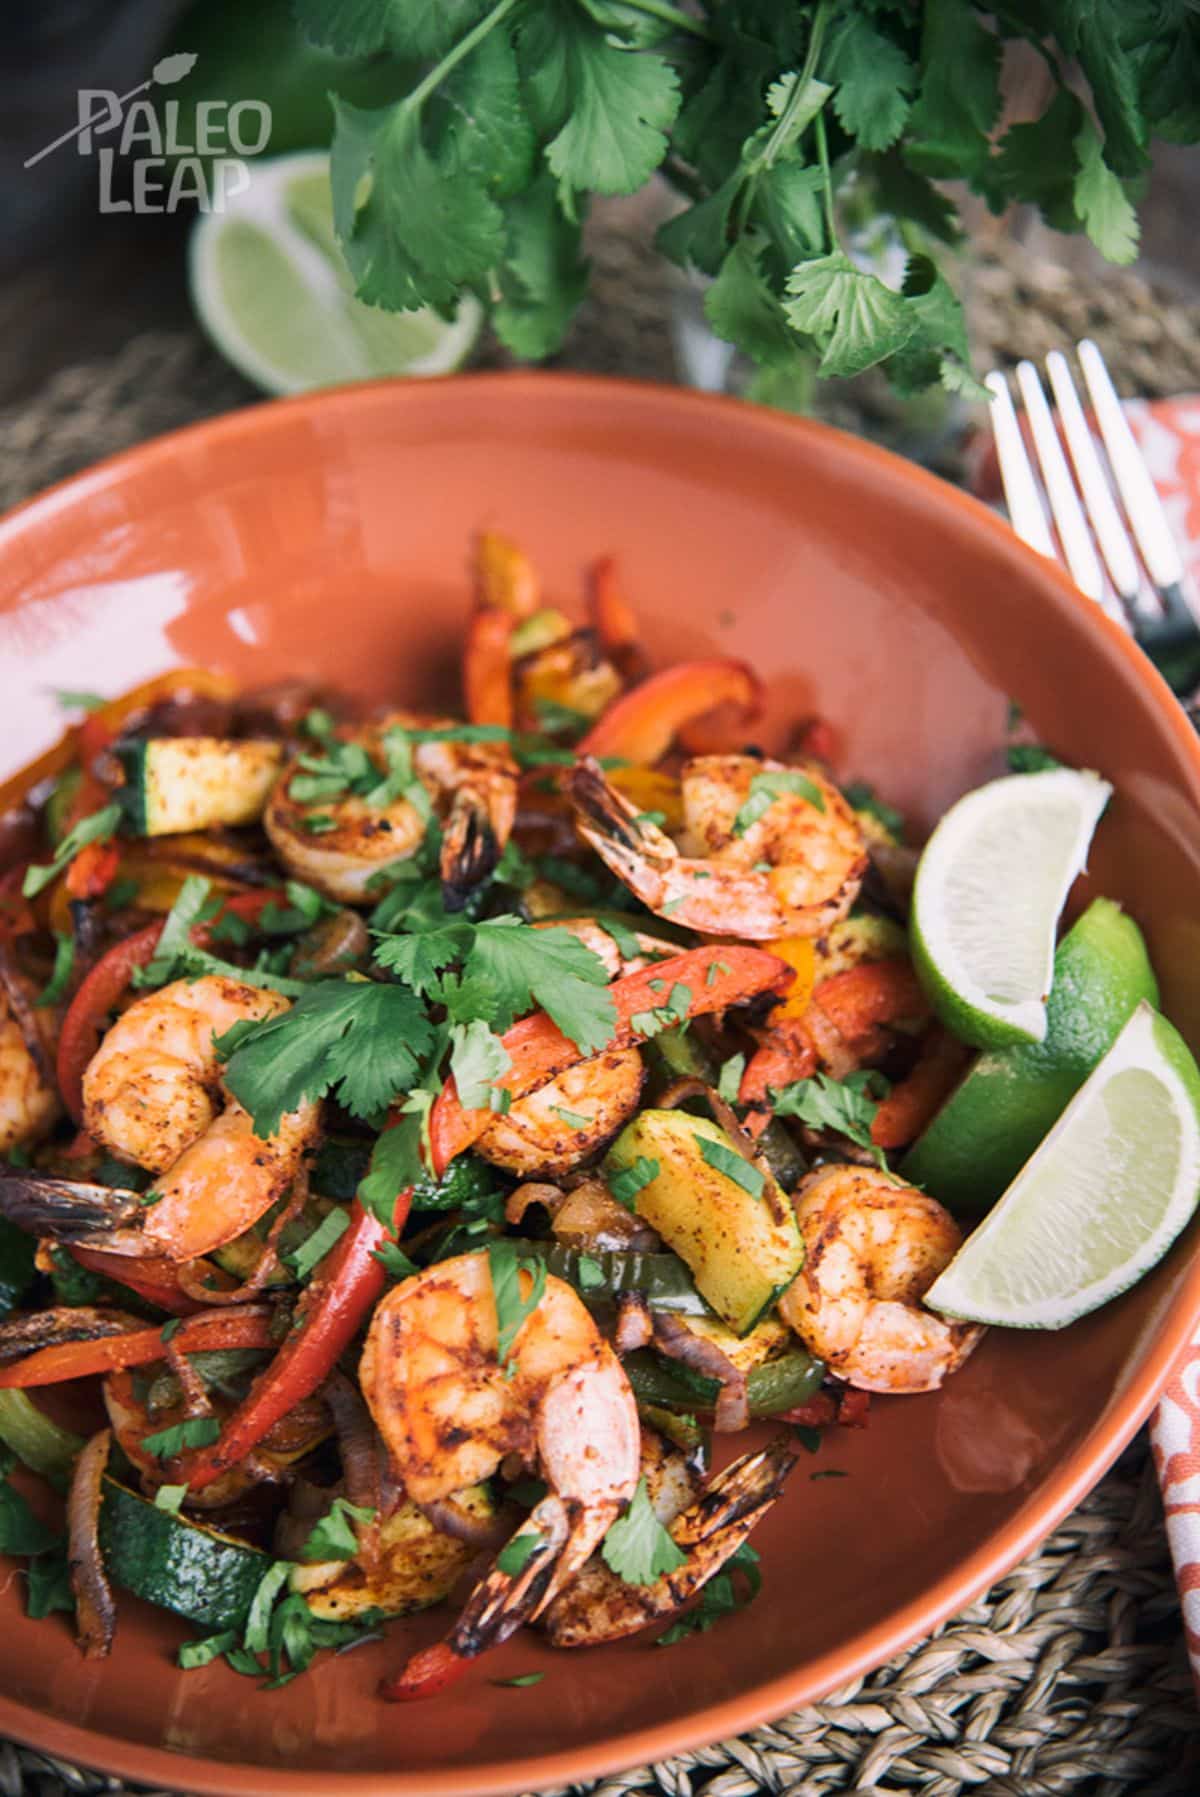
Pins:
x,y
28,1095
153,1097
450,1413
338,844
873,1247
793,871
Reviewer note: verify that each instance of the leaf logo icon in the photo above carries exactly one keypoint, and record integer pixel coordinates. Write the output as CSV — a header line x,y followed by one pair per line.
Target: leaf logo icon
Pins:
x,y
170,69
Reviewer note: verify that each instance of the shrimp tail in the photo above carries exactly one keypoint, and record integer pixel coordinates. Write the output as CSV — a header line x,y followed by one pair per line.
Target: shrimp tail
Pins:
x,y
502,1601
470,850
633,848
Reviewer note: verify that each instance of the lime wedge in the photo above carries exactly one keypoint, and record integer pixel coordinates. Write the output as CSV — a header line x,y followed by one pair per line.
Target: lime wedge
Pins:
x,y
271,289
1101,1200
990,884
994,1119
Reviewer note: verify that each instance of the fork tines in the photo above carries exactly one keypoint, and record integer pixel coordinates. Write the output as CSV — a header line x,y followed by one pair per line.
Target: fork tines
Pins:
x,y
1082,495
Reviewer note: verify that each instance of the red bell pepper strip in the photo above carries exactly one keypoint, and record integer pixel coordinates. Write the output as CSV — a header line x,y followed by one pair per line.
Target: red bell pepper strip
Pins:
x,y
154,1279
487,668
613,620
642,724
343,1289
93,870
107,983
716,977
424,1674
233,1328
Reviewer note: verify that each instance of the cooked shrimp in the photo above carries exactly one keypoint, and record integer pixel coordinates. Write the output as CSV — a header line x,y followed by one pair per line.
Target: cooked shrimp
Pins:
x,y
28,1096
598,1606
566,1120
792,871
338,844
152,1096
450,1413
873,1247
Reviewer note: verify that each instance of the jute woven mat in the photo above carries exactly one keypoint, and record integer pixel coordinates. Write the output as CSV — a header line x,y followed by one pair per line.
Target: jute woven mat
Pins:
x,y
1068,1678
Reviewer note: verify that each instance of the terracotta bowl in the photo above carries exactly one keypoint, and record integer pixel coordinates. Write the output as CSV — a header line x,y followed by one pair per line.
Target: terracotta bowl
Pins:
x,y
328,536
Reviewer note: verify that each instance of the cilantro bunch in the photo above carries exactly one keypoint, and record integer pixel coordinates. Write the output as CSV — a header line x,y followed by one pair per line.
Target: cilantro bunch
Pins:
x,y
762,114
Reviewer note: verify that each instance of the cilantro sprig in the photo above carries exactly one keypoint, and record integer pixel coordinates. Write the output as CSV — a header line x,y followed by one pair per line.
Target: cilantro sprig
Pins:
x,y
97,828
848,1106
773,123
637,1547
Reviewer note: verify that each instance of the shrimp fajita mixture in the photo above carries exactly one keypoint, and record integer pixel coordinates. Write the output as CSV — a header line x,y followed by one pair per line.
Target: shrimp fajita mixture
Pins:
x,y
456,1161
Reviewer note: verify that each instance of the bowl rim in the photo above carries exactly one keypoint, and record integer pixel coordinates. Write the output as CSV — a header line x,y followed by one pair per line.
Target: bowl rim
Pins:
x,y
1075,1477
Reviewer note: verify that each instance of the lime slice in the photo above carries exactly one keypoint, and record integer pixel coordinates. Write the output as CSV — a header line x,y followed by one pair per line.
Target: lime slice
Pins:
x,y
270,287
990,1125
990,884
1102,1199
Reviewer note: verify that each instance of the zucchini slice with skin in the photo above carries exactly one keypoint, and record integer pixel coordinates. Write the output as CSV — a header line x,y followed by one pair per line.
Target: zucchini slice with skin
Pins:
x,y
176,1563
175,784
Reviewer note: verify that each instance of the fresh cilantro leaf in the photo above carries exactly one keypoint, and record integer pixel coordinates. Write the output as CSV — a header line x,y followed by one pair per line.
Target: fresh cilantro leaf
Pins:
x,y
699,237
193,1432
714,971
959,99
522,1680
176,938
514,868
20,1530
848,1106
122,892
477,1057
626,1184
361,1041
729,1082
518,1551
490,129
625,938
830,1472
733,1165
421,956
549,967
79,701
239,1660
1037,159
203,1652
500,1100
1030,758
612,105
808,1437
318,823
874,78
396,1164
557,719
1101,202
97,828
862,797
741,307
766,788
60,973
506,1266
852,317
333,1538
316,1246
637,1547
169,1498
256,1638
171,1328
416,28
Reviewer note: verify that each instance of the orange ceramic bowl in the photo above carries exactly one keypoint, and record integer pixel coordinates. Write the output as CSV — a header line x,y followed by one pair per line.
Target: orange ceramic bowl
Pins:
x,y
328,536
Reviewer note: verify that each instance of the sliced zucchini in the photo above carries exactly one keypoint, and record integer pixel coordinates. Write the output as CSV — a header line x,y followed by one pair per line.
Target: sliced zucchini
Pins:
x,y
743,1246
178,1564
858,939
417,1566
178,783
678,1054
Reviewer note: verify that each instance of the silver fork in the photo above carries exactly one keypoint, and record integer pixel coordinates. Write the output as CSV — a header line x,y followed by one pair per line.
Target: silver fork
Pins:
x,y
1095,534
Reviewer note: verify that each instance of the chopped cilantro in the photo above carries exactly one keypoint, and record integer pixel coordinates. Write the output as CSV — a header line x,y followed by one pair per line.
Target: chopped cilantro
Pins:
x,y
256,1638
625,938
589,1272
572,1119
715,970
193,1432
861,797
477,1057
1031,758
729,1082
720,1597
848,1106
203,1652
518,1551
170,1328
318,823
766,788
316,1246
511,1308
394,1261
334,1537
78,701
830,1472
626,1184
170,1497
808,1437
521,1681
60,976
733,1165
97,828
637,1547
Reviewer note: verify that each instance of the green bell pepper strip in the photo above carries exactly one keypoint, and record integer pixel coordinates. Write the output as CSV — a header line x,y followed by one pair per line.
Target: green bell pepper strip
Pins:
x,y
661,1279
773,1387
38,1442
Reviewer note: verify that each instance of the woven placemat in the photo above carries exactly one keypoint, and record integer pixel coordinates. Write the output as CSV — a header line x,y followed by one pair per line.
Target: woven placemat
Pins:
x,y
1068,1678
